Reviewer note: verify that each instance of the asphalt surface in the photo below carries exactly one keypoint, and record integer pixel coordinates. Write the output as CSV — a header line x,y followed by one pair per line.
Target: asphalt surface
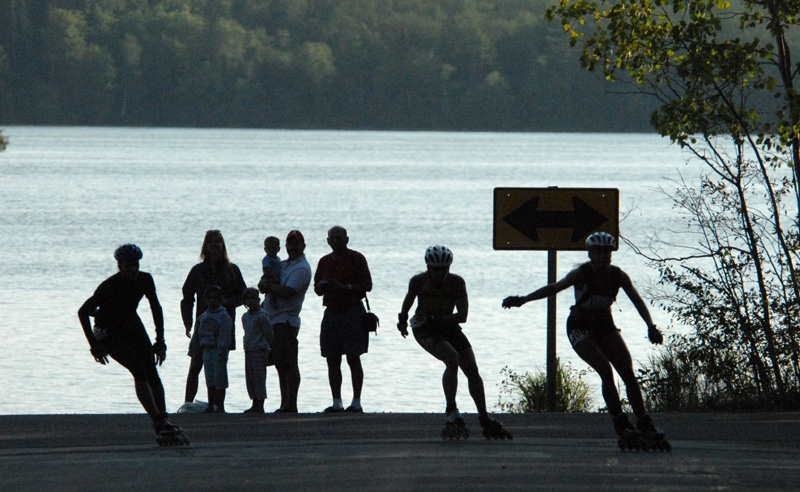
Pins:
x,y
550,452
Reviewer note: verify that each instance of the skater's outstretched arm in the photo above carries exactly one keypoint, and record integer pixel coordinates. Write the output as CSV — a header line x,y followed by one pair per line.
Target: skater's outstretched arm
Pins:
x,y
546,291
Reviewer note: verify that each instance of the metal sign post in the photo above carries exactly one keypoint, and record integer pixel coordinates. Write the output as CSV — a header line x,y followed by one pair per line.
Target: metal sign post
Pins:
x,y
552,219
552,365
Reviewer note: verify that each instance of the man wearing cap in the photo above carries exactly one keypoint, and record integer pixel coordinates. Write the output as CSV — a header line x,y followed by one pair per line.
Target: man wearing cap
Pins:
x,y
283,302
343,279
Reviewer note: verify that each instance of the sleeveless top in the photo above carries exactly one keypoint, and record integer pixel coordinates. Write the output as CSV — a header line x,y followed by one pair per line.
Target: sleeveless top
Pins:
x,y
597,296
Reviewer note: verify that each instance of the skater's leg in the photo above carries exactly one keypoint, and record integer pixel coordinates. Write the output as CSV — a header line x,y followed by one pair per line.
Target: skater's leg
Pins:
x,y
592,355
466,360
157,388
144,393
617,352
335,376
138,360
356,375
192,379
447,354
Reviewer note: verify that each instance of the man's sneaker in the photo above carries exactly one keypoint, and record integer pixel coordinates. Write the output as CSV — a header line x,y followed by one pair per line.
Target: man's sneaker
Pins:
x,y
352,409
333,409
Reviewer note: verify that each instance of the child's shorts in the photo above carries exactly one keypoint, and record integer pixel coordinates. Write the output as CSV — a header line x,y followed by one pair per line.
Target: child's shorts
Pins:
x,y
215,366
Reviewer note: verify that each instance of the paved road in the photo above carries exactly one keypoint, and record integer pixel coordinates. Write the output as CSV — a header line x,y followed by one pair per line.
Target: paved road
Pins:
x,y
550,452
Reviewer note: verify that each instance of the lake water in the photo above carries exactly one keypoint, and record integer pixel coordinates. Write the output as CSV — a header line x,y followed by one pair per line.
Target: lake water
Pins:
x,y
70,196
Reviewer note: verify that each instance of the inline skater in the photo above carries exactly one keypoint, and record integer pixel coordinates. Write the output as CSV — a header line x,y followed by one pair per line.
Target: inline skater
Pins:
x,y
442,305
597,340
120,334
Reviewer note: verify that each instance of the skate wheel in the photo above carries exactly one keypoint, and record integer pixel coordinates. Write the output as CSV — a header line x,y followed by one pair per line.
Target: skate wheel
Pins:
x,y
631,444
172,440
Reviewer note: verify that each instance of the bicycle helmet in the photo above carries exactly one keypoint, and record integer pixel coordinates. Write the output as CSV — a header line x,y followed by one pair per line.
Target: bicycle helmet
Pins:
x,y
601,240
128,253
438,256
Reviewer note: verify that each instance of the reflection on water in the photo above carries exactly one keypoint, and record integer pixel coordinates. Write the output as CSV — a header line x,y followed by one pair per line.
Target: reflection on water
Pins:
x,y
72,195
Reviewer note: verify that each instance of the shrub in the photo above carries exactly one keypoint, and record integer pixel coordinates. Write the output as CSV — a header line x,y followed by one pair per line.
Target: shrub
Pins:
x,y
528,392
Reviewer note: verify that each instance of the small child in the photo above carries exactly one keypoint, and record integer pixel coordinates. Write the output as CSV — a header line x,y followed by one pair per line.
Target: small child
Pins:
x,y
271,263
257,342
214,331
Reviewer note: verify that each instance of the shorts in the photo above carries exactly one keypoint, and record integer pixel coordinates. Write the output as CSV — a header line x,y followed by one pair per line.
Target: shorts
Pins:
x,y
342,332
215,366
284,344
135,355
429,334
583,324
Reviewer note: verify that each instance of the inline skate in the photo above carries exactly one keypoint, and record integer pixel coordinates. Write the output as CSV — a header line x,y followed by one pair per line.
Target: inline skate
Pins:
x,y
169,434
628,437
493,429
652,438
455,426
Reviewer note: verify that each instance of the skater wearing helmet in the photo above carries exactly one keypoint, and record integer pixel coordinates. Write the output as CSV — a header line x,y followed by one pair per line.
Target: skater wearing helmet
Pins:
x,y
442,304
119,333
595,338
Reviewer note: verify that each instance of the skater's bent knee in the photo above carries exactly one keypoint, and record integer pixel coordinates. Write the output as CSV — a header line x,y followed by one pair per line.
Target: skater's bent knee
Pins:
x,y
451,362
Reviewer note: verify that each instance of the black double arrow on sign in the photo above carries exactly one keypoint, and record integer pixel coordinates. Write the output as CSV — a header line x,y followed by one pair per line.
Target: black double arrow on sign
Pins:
x,y
528,219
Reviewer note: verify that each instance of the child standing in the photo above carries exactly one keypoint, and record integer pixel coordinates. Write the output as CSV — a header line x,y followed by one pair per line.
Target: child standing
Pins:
x,y
214,331
257,341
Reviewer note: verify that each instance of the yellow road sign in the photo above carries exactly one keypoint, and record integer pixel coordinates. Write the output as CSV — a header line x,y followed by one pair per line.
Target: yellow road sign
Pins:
x,y
553,218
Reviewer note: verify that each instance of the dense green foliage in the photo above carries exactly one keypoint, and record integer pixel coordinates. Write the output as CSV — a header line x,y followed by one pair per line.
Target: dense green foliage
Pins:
x,y
377,64
527,393
723,74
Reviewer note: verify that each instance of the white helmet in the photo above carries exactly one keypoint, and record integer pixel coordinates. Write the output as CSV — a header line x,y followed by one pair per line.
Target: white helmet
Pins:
x,y
438,256
601,240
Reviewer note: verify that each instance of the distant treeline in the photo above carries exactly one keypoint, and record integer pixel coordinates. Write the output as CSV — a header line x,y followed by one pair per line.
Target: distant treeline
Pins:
x,y
350,64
